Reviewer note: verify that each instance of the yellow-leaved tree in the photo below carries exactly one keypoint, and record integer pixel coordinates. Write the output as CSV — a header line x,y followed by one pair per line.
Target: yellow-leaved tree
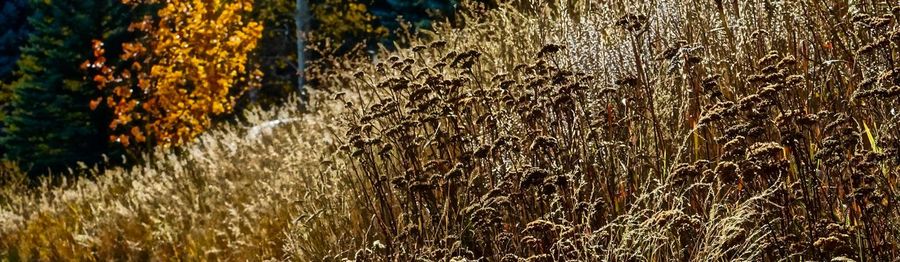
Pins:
x,y
187,65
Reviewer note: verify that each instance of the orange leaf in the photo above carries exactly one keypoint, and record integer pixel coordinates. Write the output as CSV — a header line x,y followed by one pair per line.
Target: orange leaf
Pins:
x,y
100,61
98,47
95,102
101,80
124,140
136,133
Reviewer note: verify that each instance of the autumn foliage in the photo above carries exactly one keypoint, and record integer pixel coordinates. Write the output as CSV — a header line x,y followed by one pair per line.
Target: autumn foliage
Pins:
x,y
187,65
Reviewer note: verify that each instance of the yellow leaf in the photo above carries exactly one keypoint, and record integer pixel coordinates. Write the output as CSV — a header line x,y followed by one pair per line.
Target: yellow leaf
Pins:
x,y
872,140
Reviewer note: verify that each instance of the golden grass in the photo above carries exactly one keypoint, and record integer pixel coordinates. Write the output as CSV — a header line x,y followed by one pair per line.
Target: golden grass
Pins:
x,y
541,131
226,197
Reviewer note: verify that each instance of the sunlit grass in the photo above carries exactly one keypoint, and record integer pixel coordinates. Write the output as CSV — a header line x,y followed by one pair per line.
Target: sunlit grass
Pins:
x,y
587,131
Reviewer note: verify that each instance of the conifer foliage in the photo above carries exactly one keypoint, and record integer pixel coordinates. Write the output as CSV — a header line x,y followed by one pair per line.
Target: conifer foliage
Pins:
x,y
14,21
50,125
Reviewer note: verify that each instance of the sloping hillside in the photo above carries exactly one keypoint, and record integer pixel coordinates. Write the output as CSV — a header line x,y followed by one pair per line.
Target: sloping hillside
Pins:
x,y
228,196
585,131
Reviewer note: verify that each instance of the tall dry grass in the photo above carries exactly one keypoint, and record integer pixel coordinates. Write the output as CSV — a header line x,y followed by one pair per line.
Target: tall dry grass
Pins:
x,y
541,131
637,130
231,196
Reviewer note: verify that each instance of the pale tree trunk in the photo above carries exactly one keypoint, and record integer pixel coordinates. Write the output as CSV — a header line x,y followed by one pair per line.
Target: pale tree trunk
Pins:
x,y
301,18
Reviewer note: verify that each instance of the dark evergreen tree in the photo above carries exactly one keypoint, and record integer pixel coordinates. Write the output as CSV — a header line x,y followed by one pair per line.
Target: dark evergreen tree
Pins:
x,y
14,22
14,25
276,55
51,125
333,20
418,13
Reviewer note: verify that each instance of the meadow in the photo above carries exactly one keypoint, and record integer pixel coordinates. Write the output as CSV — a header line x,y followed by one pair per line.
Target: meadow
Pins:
x,y
563,130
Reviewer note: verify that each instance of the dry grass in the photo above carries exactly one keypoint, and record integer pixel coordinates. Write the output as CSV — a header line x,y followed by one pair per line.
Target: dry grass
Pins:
x,y
545,131
227,197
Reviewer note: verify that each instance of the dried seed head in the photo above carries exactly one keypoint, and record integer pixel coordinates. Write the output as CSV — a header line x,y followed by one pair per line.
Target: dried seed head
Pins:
x,y
421,186
776,77
560,181
769,58
386,150
510,257
711,81
456,172
764,150
759,33
830,244
627,81
768,92
786,62
756,78
539,227
684,172
533,177
550,49
794,79
748,102
734,147
540,258
438,44
486,218
543,142
693,60
482,151
726,170
666,218
673,50
632,22
399,183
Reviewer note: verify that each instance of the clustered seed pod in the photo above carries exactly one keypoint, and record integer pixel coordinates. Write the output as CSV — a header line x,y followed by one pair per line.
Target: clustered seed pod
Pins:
x,y
449,146
764,151
672,50
684,172
550,49
533,177
632,22
543,143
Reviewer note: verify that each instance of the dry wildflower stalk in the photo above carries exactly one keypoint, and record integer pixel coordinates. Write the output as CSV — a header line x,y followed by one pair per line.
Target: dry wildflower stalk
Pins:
x,y
613,131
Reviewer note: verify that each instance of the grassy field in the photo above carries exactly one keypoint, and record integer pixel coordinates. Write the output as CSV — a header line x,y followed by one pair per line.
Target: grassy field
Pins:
x,y
545,131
